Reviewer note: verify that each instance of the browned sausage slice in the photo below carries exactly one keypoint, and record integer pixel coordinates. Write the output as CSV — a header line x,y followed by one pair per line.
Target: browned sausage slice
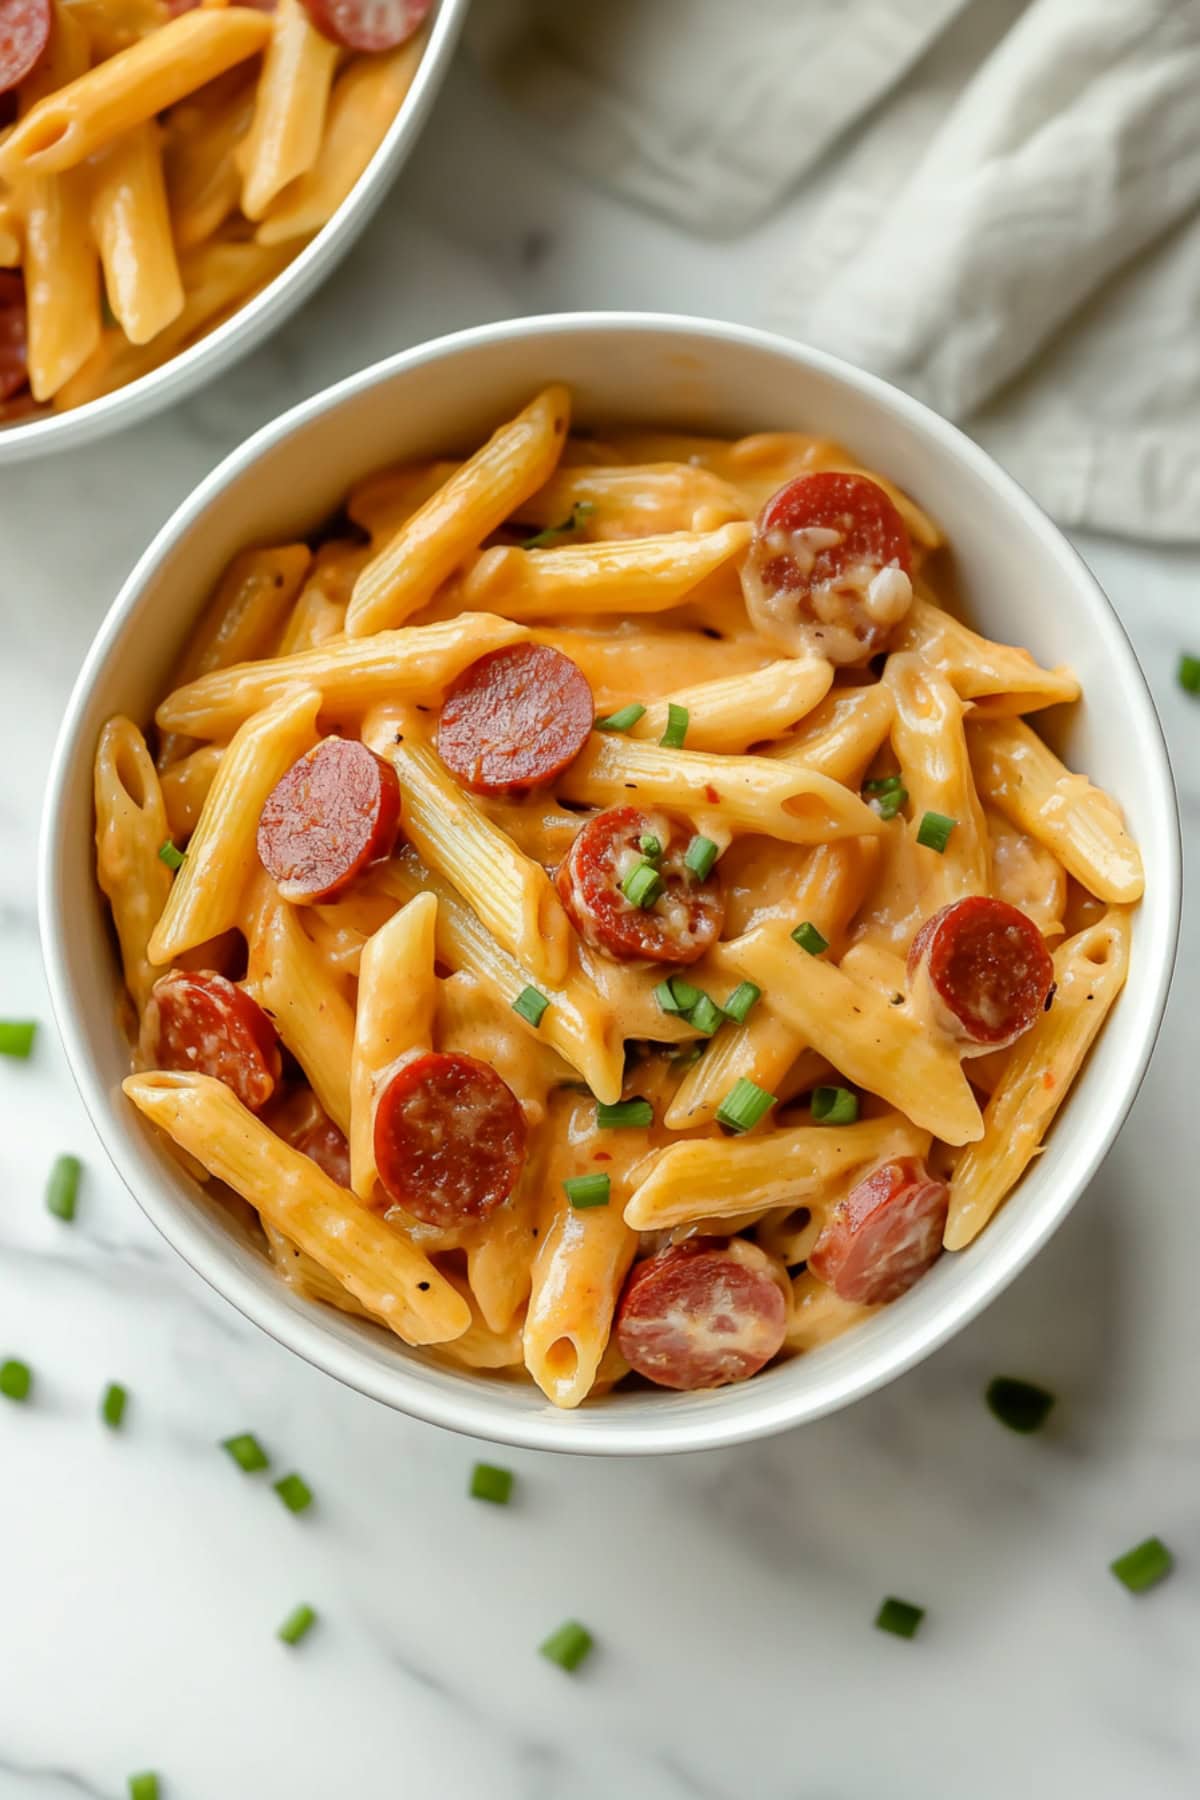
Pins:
x,y
515,719
988,967
683,921
24,34
199,1021
368,24
449,1138
333,813
303,1122
884,1235
701,1314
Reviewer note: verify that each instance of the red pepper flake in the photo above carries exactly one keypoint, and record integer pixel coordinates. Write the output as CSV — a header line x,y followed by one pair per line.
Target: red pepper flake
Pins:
x,y
601,1156
711,795
1048,1079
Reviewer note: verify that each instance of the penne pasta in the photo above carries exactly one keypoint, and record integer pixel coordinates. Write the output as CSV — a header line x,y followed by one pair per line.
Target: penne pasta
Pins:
x,y
132,228
729,715
305,1001
629,576
931,747
999,678
185,786
131,828
633,500
284,139
842,735
393,1016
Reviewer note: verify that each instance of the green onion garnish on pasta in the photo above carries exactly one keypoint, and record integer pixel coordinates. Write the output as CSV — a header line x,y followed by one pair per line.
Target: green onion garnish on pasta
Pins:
x,y
531,1005
650,848
834,1106
675,995
744,1105
624,719
701,854
624,1115
705,1015
739,1003
295,1493
112,1406
16,1036
586,1191
1144,1566
643,885
934,831
62,1189
677,724
168,854
491,1483
886,795
1189,673
246,1452
554,534
900,1617
809,938
16,1379
297,1624
568,1645
1020,1405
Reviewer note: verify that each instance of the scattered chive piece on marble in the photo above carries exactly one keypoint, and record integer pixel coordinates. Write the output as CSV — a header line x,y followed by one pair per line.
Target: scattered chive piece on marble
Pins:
x,y
16,1379
568,1645
16,1036
1021,1405
246,1452
491,1483
900,1617
143,1787
112,1406
62,1189
1144,1566
1189,673
295,1493
298,1624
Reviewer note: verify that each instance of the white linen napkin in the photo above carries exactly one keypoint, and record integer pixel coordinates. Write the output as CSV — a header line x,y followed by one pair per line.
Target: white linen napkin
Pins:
x,y
997,205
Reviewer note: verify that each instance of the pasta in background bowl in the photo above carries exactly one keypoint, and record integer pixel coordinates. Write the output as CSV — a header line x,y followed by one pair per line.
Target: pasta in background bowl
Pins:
x,y
474,895
175,179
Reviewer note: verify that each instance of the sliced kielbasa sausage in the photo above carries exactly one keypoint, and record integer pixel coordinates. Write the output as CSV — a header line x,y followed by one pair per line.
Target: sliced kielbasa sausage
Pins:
x,y
449,1138
24,34
884,1235
515,719
989,970
828,568
14,370
200,1022
685,914
701,1314
368,24
333,813
302,1122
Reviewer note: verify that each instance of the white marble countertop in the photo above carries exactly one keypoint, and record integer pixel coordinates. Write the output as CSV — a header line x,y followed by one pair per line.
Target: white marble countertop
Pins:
x,y
142,1576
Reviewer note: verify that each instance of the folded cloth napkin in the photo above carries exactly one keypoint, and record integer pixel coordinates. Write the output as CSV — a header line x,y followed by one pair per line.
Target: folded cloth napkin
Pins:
x,y
996,204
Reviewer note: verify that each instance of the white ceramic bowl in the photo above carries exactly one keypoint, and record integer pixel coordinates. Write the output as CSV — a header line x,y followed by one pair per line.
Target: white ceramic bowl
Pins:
x,y
277,301
1022,581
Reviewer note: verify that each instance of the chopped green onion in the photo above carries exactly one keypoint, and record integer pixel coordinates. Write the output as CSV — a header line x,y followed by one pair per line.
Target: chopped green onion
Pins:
x,y
650,848
884,784
16,1379
554,534
295,1493
16,1036
744,1105
643,885
687,1057
677,724
112,1406
143,1787
1189,673
531,1005
809,938
490,1483
888,804
584,1191
624,719
934,831
702,853
297,1624
834,1106
567,1646
675,995
738,1005
1018,1404
168,854
624,1114
1144,1566
706,1015
900,1617
63,1187
246,1452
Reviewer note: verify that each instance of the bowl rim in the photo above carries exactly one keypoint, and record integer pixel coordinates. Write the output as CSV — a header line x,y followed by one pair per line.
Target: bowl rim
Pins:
x,y
469,1410
265,311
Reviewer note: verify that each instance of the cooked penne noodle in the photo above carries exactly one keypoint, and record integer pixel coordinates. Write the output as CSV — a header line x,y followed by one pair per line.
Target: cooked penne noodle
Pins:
x,y
841,736
1089,972
377,1264
1082,827
729,715
481,1346
818,1315
62,281
206,895
12,232
931,747
394,1015
319,612
204,183
185,786
131,828
289,980
644,662
284,138
308,1279
632,501
1000,678
382,503
132,228
454,521
629,576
